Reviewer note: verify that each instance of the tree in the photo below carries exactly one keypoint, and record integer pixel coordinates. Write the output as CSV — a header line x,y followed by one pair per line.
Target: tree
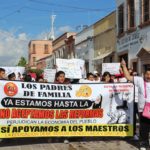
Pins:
x,y
22,62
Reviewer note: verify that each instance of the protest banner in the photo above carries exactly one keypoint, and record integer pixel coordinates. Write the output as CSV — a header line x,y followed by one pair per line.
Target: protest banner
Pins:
x,y
49,74
43,110
73,68
112,68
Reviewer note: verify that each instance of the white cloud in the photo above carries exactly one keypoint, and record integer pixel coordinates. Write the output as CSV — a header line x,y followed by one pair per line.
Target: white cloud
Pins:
x,y
65,29
58,31
43,35
12,47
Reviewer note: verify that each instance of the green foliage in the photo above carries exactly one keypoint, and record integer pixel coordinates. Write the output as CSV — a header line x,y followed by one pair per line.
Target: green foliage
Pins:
x,y
22,62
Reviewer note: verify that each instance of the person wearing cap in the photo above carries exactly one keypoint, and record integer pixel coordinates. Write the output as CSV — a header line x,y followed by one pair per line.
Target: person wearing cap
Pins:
x,y
12,77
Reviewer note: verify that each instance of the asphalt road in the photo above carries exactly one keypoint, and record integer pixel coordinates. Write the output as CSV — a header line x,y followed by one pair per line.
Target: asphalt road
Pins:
x,y
74,144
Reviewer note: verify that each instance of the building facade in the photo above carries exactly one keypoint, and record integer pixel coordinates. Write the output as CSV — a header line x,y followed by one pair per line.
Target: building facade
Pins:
x,y
59,46
104,41
133,27
84,48
38,49
70,46
45,63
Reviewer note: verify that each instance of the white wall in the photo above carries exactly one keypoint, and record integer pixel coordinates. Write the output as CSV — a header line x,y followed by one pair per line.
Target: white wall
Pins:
x,y
84,48
131,42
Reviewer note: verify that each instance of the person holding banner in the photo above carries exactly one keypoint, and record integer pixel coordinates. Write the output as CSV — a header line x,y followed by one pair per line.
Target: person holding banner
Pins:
x,y
60,78
143,103
2,73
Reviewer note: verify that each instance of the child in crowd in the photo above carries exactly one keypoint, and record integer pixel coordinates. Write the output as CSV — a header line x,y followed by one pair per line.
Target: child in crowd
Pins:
x,y
60,78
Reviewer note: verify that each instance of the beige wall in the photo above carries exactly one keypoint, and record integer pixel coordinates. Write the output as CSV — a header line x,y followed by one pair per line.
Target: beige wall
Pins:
x,y
105,35
39,50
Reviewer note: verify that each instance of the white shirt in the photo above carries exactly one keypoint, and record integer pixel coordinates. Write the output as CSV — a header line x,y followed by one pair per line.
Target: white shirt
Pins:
x,y
136,94
86,81
139,82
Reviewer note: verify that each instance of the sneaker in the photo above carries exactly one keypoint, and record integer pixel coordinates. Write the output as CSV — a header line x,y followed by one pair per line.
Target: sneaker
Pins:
x,y
143,148
66,141
136,138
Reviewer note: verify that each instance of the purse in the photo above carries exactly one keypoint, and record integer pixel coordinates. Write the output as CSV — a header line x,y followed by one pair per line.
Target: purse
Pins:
x,y
146,111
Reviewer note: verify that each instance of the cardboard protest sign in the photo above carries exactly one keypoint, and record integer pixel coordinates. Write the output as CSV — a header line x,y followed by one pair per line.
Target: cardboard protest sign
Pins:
x,y
49,110
73,68
49,74
112,68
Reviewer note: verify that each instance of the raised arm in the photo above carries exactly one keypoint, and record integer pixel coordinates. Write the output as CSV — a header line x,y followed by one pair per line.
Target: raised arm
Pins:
x,y
125,71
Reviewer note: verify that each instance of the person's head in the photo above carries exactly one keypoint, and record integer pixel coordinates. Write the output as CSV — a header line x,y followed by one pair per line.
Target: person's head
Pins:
x,y
135,74
45,81
40,80
28,78
90,76
12,76
97,76
19,75
106,77
147,75
2,73
60,77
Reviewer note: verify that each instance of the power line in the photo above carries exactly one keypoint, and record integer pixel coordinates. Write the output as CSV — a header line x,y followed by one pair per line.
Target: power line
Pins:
x,y
65,6
12,13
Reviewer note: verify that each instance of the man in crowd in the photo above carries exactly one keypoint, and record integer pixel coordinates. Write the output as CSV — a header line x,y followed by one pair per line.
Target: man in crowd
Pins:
x,y
143,86
2,73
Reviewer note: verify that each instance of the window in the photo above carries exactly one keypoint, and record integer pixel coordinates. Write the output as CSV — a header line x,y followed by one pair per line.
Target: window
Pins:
x,y
131,13
121,19
33,52
46,49
145,10
34,60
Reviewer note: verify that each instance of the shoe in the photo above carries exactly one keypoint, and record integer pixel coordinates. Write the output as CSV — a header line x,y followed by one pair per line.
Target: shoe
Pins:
x,y
66,141
136,138
143,148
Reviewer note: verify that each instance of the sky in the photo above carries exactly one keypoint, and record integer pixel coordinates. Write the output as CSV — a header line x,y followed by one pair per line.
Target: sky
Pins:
x,y
25,20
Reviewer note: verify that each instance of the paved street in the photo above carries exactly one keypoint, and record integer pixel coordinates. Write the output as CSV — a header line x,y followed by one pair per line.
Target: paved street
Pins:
x,y
75,144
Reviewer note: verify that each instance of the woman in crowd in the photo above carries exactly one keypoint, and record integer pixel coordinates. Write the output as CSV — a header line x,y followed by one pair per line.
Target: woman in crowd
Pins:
x,y
106,78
